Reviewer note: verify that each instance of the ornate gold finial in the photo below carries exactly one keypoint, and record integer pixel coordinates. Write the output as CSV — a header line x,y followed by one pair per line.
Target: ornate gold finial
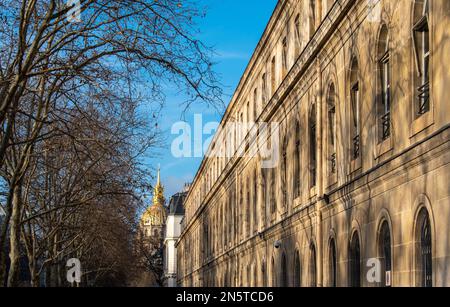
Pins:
x,y
158,192
158,182
156,214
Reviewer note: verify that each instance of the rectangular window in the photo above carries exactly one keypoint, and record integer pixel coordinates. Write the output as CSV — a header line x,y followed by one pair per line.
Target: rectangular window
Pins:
x,y
297,34
422,52
332,137
355,114
264,88
273,75
255,104
285,57
385,97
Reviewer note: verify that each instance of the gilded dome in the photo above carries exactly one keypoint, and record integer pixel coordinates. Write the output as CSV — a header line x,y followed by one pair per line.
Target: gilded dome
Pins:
x,y
156,213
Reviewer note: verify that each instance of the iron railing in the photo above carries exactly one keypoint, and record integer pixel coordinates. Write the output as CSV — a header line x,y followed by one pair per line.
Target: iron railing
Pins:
x,y
424,98
386,125
333,163
356,147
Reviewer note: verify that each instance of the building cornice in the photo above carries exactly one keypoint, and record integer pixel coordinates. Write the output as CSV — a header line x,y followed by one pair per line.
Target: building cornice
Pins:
x,y
307,57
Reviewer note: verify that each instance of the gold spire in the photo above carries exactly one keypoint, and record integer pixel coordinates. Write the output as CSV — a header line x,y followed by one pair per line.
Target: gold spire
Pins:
x,y
158,192
156,214
158,182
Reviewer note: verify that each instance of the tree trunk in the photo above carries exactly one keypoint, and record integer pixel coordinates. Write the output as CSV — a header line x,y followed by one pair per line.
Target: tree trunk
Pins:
x,y
3,248
14,253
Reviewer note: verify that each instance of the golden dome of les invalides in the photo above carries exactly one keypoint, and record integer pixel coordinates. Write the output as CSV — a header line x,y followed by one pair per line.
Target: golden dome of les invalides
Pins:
x,y
156,214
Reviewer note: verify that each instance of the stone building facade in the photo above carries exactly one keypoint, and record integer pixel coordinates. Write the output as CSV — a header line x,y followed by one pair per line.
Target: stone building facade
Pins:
x,y
360,195
172,233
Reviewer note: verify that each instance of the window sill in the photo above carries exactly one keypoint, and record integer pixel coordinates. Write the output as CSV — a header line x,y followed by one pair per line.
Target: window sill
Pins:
x,y
312,192
384,147
332,179
421,123
355,165
297,203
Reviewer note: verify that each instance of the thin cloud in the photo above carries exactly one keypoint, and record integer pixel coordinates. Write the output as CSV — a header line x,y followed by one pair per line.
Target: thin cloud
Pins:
x,y
232,55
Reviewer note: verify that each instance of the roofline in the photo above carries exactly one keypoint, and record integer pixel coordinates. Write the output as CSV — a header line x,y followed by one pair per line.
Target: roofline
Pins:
x,y
243,80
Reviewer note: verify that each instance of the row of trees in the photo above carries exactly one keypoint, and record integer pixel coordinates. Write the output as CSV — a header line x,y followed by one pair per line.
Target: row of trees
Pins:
x,y
73,131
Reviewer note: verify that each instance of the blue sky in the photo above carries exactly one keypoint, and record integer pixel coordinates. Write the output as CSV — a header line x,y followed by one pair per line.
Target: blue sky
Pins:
x,y
233,28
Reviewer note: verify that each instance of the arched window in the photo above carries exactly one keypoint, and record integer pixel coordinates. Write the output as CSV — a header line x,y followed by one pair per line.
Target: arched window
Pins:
x,y
254,276
248,208
313,145
385,254
421,38
312,266
424,250
384,79
355,109
332,264
274,274
297,270
297,172
263,191
284,274
263,274
331,103
284,170
355,261
255,200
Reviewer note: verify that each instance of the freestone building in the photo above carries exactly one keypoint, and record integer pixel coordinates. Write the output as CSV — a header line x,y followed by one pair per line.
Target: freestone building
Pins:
x,y
360,193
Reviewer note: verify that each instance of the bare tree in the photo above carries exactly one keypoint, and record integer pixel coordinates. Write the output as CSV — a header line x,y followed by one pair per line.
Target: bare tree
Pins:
x,y
69,95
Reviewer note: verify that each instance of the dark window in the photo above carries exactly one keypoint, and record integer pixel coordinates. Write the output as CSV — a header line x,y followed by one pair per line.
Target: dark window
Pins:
x,y
263,274
426,265
255,201
355,109
384,108
284,174
312,267
273,75
248,220
386,256
255,104
333,264
274,274
264,88
313,146
332,128
273,198
297,172
297,270
285,56
355,261
297,34
421,37
284,278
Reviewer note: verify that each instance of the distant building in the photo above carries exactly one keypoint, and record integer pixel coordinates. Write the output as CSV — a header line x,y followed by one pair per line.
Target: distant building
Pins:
x,y
153,221
151,236
173,231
